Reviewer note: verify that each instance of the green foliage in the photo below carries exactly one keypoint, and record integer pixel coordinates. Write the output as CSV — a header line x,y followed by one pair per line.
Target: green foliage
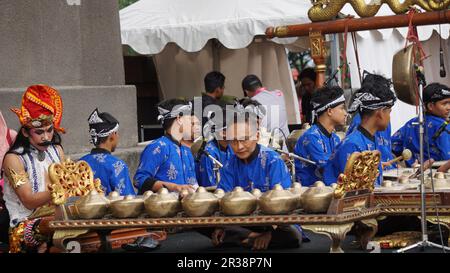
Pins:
x,y
125,3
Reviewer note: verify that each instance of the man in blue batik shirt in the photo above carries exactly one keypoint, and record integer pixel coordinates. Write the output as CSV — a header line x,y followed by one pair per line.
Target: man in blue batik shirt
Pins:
x,y
319,141
112,171
383,137
217,147
165,162
436,98
253,166
373,102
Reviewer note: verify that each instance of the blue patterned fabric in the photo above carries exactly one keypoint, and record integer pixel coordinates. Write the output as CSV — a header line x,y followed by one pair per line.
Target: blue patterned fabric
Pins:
x,y
264,169
355,142
112,171
407,137
165,160
384,140
316,145
205,168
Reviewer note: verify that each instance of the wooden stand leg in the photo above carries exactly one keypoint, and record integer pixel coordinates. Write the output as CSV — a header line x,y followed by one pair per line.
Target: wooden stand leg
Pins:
x,y
365,230
336,233
105,240
60,236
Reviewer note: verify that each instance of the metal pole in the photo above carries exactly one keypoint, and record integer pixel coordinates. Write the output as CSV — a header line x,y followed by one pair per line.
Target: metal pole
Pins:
x,y
142,133
335,60
422,172
424,242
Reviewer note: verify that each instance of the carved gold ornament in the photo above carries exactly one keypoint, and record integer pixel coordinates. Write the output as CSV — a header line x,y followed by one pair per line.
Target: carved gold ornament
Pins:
x,y
16,238
360,173
399,239
69,179
18,178
325,10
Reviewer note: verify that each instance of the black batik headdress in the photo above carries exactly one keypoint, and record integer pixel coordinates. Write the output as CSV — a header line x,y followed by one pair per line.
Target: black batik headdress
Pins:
x,y
367,97
435,92
101,125
177,110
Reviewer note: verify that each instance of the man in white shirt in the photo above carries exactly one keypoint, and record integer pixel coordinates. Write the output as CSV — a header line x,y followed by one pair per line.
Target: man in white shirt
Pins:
x,y
275,120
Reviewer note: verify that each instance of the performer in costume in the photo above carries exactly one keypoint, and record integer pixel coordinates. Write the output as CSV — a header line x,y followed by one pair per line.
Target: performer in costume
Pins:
x,y
253,166
217,147
373,102
319,141
382,137
112,171
36,147
436,99
165,162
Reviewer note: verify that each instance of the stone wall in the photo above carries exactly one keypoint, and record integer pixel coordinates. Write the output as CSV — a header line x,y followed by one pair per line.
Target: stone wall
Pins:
x,y
74,48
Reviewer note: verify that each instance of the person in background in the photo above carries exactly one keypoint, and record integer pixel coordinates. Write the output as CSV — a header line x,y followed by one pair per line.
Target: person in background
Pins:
x,y
308,83
275,120
7,137
214,85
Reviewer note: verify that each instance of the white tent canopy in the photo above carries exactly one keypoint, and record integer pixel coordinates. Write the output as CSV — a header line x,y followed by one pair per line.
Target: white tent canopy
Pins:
x,y
148,25
179,33
376,49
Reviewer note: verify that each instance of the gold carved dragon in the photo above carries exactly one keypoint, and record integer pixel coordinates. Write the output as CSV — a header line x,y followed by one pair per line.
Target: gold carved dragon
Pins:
x,y
325,10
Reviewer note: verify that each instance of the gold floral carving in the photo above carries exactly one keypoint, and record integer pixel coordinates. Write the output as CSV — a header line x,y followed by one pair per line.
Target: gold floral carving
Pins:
x,y
69,179
360,173
317,44
336,233
399,239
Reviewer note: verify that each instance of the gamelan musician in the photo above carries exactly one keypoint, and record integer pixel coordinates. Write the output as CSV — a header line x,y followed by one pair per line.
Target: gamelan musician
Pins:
x,y
112,171
319,141
165,162
373,102
436,98
383,138
253,166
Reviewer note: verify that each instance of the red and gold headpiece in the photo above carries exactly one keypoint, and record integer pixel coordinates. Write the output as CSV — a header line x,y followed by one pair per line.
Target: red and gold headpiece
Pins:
x,y
41,106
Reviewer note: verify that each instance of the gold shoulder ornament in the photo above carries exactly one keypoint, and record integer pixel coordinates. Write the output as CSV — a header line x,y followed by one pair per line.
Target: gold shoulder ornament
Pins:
x,y
17,179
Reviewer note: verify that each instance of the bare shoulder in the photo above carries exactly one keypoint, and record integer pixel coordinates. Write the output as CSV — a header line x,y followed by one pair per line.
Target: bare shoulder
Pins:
x,y
12,161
